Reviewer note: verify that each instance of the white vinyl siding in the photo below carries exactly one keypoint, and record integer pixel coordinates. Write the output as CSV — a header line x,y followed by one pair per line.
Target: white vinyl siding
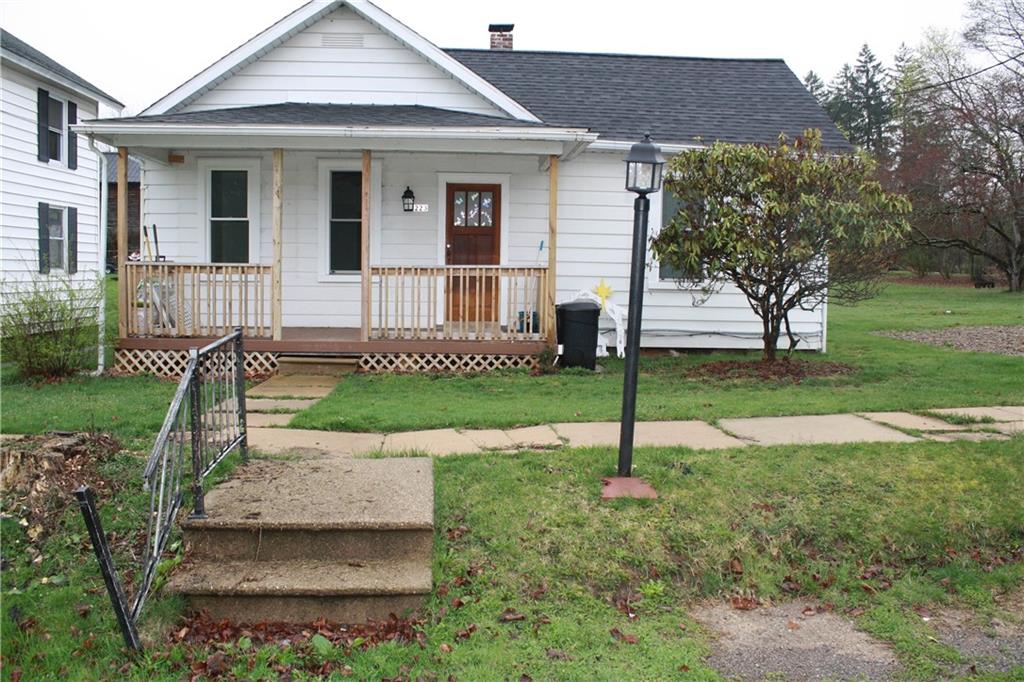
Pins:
x,y
27,181
594,237
342,59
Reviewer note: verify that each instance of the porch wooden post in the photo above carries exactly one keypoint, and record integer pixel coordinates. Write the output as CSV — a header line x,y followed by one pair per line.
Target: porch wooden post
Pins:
x,y
122,242
278,218
552,275
364,266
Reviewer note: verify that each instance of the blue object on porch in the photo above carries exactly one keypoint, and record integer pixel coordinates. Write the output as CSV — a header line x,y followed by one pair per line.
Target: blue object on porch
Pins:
x,y
535,322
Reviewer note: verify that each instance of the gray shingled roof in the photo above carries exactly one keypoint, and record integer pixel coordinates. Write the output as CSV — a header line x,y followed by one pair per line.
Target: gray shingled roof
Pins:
x,y
134,168
292,113
676,99
20,48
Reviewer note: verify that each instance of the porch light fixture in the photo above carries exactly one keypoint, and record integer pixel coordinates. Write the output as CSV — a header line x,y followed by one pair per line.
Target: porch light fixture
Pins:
x,y
643,176
643,167
408,200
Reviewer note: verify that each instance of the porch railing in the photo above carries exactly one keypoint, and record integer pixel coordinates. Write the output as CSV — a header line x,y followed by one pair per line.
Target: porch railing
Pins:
x,y
458,302
205,422
198,299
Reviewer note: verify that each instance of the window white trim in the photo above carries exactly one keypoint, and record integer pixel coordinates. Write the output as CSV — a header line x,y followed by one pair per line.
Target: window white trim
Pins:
x,y
654,280
63,128
65,252
253,206
324,168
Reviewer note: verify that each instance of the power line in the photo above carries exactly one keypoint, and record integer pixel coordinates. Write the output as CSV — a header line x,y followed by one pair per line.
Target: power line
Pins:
x,y
932,86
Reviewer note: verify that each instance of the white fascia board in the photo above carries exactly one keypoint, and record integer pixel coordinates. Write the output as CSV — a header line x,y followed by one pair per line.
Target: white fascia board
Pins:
x,y
404,132
49,76
309,14
441,59
622,146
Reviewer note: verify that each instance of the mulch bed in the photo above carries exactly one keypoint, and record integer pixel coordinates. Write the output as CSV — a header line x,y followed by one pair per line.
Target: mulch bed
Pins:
x,y
786,370
1004,340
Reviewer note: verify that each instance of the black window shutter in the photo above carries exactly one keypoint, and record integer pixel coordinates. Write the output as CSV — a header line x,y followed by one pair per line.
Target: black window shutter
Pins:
x,y
43,124
44,238
72,240
72,136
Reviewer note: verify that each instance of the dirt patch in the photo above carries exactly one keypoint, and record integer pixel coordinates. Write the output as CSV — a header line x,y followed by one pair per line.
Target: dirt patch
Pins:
x,y
39,473
934,280
794,641
990,644
786,370
1004,340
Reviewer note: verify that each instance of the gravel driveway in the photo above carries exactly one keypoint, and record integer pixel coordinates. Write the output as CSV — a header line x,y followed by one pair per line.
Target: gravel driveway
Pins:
x,y
1005,340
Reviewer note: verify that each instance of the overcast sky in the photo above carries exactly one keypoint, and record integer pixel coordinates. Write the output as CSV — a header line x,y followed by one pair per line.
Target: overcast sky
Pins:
x,y
138,50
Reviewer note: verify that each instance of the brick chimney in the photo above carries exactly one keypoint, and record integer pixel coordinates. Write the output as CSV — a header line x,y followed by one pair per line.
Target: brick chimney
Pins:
x,y
501,36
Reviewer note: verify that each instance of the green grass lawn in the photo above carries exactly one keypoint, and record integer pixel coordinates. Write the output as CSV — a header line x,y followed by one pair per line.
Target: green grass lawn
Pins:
x,y
891,375
933,519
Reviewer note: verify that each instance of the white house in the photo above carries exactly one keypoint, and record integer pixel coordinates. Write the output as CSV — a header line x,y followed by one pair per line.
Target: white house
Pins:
x,y
50,182
340,185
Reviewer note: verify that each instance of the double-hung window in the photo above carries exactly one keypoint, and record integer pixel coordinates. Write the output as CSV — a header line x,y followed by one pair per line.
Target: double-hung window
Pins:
x,y
56,141
670,206
231,206
345,221
229,216
58,238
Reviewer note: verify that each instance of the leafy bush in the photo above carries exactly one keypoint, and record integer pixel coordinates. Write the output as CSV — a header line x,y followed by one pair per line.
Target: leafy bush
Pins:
x,y
48,324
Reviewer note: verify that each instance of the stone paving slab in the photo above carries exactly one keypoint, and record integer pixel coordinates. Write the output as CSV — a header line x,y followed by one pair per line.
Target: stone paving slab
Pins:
x,y
974,436
294,386
275,405
1009,428
692,434
780,642
534,437
275,441
906,420
433,442
265,419
1008,413
829,428
490,439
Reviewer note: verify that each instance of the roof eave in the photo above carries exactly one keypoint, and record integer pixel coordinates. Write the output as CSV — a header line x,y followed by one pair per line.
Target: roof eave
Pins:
x,y
56,79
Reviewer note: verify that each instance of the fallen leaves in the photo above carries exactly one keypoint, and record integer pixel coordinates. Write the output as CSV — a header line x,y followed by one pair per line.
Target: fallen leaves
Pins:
x,y
619,635
736,566
743,603
510,615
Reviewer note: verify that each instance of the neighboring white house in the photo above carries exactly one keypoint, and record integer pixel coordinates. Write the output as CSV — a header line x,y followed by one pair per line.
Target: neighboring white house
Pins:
x,y
50,183
339,184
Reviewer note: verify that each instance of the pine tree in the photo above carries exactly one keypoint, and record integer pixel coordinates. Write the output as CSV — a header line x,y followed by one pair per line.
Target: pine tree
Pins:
x,y
816,87
872,99
839,101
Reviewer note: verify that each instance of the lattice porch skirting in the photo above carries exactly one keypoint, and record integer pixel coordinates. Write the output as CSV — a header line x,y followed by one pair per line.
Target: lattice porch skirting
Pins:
x,y
441,362
171,363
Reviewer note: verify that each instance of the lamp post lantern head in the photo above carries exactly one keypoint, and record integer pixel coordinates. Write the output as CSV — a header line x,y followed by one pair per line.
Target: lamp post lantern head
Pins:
x,y
408,200
644,166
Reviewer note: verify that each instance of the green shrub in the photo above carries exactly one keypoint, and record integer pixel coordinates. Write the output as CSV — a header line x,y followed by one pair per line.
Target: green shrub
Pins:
x,y
48,324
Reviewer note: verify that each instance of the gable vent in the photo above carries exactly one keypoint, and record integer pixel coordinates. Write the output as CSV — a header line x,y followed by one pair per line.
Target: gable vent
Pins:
x,y
341,40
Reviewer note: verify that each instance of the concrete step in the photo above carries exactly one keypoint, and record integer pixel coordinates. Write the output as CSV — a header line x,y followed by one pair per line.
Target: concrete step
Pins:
x,y
206,543
301,591
315,365
294,540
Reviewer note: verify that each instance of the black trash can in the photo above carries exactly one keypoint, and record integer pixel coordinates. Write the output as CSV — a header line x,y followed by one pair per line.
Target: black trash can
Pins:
x,y
576,324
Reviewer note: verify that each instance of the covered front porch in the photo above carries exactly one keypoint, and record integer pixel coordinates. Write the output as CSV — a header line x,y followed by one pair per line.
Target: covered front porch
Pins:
x,y
467,267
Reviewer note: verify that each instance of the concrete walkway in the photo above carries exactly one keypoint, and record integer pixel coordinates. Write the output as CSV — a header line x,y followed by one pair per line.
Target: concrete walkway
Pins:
x,y
987,423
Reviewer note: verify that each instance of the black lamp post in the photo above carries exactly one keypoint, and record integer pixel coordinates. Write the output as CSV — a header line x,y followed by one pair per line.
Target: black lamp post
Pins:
x,y
643,176
408,200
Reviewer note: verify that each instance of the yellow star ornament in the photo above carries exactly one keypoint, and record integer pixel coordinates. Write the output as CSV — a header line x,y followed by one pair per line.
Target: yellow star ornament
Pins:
x,y
603,292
